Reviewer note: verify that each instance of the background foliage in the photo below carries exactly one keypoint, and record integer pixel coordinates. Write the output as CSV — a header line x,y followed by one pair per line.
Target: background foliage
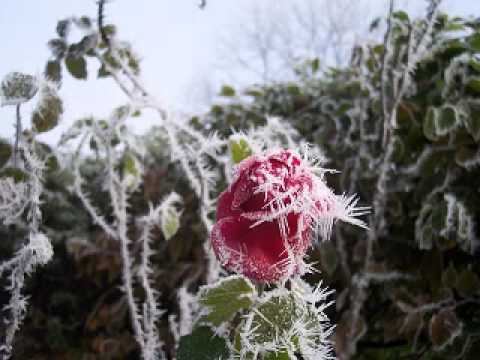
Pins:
x,y
422,282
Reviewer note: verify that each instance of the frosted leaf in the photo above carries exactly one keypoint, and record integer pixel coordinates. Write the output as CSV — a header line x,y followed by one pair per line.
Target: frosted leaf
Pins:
x,y
5,152
49,108
41,247
132,171
423,228
17,88
170,223
286,322
239,149
429,124
446,120
223,299
460,224
202,344
170,216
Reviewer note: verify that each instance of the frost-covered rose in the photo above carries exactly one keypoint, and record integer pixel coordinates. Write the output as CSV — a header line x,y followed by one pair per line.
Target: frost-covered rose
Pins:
x,y
265,219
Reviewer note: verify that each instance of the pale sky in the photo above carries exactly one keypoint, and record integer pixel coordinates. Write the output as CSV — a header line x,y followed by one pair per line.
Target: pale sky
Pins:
x,y
178,44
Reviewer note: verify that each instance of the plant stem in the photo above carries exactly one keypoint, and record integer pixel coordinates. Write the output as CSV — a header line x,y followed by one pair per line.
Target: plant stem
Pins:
x,y
18,132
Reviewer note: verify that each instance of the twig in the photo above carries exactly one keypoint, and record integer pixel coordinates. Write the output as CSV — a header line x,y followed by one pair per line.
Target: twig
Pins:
x,y
18,134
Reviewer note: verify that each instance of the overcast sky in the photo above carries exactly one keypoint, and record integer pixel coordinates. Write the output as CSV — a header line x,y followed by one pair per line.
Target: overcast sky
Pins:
x,y
178,44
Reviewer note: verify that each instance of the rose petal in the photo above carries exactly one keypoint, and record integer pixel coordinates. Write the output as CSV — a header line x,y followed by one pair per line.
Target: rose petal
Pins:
x,y
221,236
224,206
257,252
242,191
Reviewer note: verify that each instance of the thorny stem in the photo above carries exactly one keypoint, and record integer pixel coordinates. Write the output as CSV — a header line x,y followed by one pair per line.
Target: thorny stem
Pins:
x,y
384,80
119,203
18,133
25,260
143,322
34,189
100,21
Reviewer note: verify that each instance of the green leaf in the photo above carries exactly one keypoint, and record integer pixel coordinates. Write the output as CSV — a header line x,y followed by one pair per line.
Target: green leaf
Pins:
x,y
374,24
5,152
63,28
84,22
76,66
472,123
15,173
429,124
293,90
315,65
254,92
17,88
423,229
45,151
225,298
468,283
449,276
170,223
445,121
130,165
110,60
275,316
227,91
53,71
237,339
278,316
452,49
88,42
48,110
474,42
132,60
398,149
239,150
216,110
121,111
454,26
58,47
202,344
109,30
401,15
474,85
276,356
475,65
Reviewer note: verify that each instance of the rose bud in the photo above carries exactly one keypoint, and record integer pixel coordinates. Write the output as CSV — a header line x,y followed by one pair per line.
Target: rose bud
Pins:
x,y
267,217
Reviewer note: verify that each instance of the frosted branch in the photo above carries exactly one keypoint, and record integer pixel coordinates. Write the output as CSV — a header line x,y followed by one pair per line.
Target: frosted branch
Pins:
x,y
15,199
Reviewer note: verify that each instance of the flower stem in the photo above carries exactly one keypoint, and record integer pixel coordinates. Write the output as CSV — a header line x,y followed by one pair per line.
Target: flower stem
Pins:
x,y
260,288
